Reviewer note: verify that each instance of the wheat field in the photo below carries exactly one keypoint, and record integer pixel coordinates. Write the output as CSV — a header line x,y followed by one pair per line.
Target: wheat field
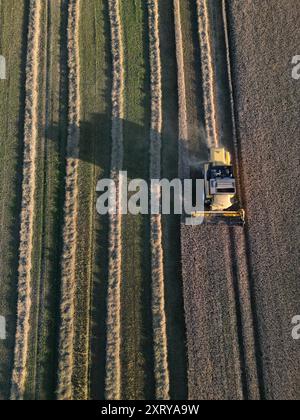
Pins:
x,y
120,306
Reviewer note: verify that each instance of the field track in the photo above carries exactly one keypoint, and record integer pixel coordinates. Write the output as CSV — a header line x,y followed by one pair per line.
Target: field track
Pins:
x,y
27,215
158,294
113,368
68,282
177,361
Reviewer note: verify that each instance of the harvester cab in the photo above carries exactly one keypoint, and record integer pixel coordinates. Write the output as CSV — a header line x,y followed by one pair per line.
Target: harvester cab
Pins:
x,y
220,191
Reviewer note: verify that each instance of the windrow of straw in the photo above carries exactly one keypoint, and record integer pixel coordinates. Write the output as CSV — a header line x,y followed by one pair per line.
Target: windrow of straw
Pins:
x,y
182,100
208,74
28,203
68,280
158,293
113,343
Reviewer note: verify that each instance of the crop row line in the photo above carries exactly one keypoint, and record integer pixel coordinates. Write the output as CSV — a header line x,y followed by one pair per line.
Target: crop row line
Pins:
x,y
68,281
208,74
158,292
182,100
28,203
113,322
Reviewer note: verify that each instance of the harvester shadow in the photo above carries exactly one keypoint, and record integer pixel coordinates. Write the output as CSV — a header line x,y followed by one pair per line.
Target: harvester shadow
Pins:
x,y
95,156
95,149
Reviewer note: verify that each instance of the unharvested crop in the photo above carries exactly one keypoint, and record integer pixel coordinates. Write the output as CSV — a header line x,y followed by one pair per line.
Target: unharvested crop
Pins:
x,y
113,363
68,281
239,251
267,109
28,203
158,294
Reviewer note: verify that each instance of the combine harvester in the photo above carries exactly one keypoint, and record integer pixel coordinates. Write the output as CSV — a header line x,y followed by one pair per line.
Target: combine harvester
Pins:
x,y
220,191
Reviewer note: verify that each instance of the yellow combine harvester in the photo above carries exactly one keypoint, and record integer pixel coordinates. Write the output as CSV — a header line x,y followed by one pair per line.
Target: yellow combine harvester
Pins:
x,y
221,204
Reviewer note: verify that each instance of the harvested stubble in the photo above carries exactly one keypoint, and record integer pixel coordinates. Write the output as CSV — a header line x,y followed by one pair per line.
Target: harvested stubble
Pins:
x,y
113,363
213,348
158,293
68,281
27,212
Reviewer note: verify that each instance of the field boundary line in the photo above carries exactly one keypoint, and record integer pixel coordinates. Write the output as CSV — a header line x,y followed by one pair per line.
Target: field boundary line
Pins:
x,y
28,202
68,281
158,293
113,322
208,75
